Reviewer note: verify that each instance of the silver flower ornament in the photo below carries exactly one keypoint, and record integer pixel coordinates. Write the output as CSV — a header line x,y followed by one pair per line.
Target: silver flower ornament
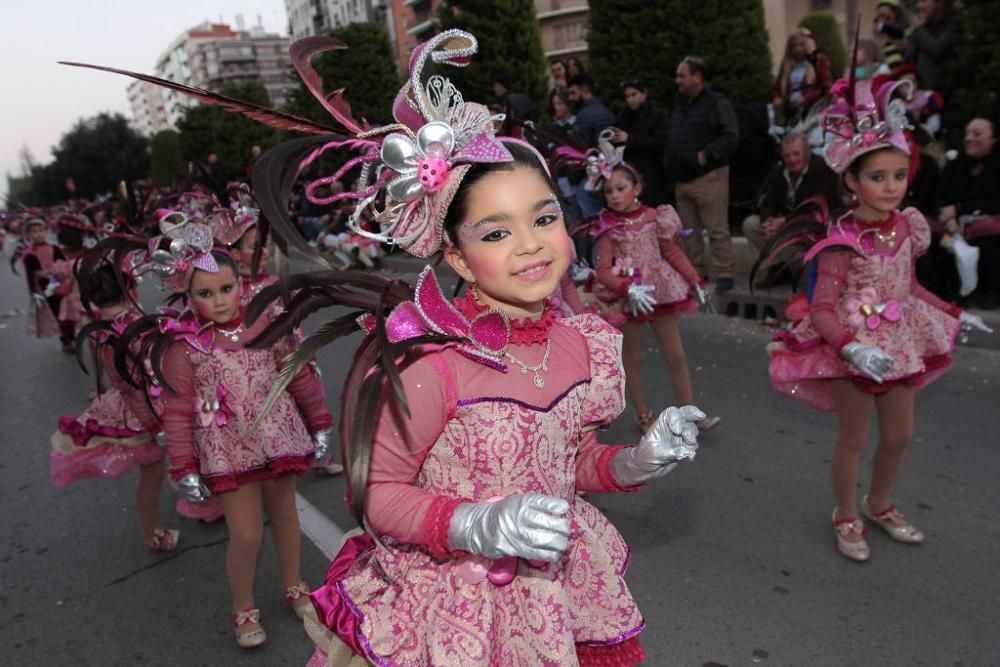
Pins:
x,y
422,165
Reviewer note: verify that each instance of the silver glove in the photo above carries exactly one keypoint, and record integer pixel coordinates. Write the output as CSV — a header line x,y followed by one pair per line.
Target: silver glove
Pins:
x,y
672,438
640,299
38,297
321,440
868,359
970,322
192,489
531,526
704,298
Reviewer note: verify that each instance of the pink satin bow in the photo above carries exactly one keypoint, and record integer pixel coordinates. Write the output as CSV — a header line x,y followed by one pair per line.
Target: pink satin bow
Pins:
x,y
186,327
430,312
865,309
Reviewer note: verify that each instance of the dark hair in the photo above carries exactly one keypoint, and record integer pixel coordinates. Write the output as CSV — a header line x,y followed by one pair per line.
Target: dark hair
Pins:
x,y
854,169
70,237
902,19
102,287
695,65
630,171
562,95
223,258
524,157
581,81
579,65
633,83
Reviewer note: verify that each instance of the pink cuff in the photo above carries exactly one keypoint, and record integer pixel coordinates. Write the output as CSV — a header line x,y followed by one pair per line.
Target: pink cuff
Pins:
x,y
839,344
319,423
954,310
436,524
604,474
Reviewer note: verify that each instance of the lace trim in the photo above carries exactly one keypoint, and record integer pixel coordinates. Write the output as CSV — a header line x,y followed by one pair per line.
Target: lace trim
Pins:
x,y
524,331
624,654
604,470
436,524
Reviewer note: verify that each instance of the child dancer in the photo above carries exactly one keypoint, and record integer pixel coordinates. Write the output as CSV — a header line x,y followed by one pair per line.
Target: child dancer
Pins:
x,y
640,263
873,335
71,235
215,387
465,458
116,434
37,257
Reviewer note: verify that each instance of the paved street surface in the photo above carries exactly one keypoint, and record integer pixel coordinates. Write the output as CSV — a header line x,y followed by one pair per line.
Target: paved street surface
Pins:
x,y
733,557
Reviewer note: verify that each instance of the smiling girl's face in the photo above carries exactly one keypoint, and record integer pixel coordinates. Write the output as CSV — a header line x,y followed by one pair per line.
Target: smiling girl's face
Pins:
x,y
216,296
512,242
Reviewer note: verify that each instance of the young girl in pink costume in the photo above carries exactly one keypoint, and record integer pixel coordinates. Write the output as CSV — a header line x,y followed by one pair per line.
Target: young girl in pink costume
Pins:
x,y
117,433
37,256
468,427
872,335
646,277
218,442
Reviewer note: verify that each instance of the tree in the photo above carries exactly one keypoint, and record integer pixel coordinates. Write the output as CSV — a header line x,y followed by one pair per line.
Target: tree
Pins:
x,y
166,162
826,34
976,70
647,40
205,129
510,46
96,153
366,70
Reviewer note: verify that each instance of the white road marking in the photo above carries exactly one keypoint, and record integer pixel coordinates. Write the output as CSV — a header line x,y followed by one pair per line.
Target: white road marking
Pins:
x,y
318,528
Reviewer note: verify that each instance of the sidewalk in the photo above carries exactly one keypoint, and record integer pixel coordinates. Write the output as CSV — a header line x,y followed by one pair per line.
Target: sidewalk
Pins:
x,y
740,302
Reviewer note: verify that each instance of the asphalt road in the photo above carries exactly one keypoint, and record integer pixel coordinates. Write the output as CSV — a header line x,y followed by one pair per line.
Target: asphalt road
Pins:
x,y
733,557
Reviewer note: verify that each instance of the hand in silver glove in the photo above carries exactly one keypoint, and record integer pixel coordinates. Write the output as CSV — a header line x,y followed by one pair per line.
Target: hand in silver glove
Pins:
x,y
868,359
640,299
192,489
704,298
970,322
672,438
531,526
321,440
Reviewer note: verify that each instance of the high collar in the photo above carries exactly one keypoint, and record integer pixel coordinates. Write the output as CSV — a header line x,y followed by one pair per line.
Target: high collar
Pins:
x,y
525,331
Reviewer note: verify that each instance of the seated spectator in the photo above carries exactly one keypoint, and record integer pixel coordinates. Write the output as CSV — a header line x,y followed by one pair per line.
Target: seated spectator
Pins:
x,y
969,201
805,76
642,128
870,60
798,176
517,105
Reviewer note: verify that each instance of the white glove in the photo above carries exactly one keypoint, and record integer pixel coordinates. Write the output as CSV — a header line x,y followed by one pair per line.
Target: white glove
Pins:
x,y
321,441
672,438
531,526
192,489
869,360
640,299
38,298
970,322
51,287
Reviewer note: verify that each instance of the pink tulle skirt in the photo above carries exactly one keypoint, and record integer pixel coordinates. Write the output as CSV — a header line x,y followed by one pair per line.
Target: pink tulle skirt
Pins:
x,y
208,511
107,461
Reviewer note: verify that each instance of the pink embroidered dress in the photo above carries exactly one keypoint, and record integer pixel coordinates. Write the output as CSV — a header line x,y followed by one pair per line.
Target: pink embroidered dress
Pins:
x,y
866,291
70,305
641,247
480,433
250,287
115,435
217,387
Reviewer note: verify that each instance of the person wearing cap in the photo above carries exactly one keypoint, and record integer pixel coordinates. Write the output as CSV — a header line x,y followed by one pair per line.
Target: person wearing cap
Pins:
x,y
642,129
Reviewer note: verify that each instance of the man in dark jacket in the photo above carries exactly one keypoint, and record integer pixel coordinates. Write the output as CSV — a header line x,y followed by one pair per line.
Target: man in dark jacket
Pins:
x,y
703,133
642,128
798,176
591,118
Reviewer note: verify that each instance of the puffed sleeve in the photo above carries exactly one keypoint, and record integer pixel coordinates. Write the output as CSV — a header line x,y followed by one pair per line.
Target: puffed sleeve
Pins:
x,y
395,505
604,401
668,226
920,230
178,411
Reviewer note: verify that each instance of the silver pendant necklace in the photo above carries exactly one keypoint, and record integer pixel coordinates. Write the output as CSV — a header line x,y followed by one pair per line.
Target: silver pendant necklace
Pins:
x,y
537,369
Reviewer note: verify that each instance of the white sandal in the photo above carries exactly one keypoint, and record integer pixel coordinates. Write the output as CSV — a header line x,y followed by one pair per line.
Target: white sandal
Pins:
x,y
856,551
253,638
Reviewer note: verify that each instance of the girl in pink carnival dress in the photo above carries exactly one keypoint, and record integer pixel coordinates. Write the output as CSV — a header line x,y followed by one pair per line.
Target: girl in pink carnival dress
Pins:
x,y
642,274
872,335
218,441
117,433
236,228
468,427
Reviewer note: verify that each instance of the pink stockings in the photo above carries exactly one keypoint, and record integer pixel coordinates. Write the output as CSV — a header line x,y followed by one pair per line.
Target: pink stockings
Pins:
x,y
668,334
854,409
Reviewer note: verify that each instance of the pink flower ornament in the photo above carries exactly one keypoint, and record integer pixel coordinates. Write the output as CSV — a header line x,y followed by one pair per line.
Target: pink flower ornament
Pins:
x,y
866,310
214,410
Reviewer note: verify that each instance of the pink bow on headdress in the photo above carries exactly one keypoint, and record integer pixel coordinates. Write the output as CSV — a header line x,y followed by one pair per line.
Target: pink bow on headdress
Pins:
x,y
230,224
182,247
599,162
430,312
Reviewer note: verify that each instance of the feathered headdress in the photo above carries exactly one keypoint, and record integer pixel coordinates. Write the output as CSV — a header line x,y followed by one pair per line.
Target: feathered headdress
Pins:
x,y
229,224
599,163
182,247
858,122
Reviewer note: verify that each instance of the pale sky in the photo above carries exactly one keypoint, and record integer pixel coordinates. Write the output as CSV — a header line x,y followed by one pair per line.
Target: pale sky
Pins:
x,y
41,100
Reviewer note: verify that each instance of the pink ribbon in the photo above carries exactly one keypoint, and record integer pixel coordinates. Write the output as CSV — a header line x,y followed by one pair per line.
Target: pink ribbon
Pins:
x,y
866,310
